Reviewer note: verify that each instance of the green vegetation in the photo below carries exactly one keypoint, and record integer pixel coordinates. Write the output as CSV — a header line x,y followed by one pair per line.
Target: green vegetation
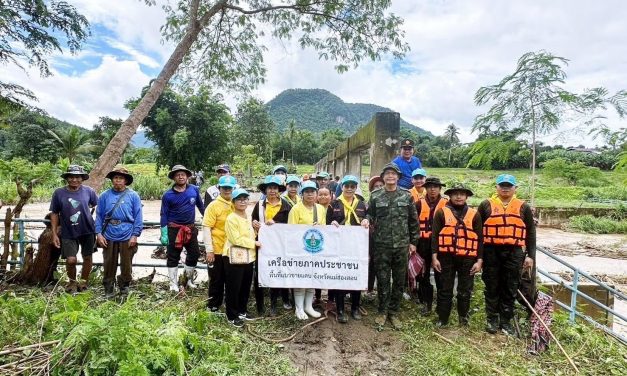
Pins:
x,y
151,333
595,225
475,352
319,110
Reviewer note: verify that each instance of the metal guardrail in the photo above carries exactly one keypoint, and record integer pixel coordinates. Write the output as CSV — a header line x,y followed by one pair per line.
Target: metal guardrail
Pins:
x,y
572,286
22,242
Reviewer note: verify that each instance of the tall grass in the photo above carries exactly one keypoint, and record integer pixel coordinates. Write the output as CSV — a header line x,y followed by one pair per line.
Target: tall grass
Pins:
x,y
594,225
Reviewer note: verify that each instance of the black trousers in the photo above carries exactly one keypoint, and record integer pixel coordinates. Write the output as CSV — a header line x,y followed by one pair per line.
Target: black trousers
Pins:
x,y
502,267
425,288
340,295
238,280
216,282
454,266
174,254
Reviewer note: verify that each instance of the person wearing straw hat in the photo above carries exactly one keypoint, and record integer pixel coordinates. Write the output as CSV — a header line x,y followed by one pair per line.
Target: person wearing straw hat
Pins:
x,y
347,210
240,242
213,235
393,214
214,191
509,238
457,250
426,208
270,210
178,214
70,206
306,212
119,222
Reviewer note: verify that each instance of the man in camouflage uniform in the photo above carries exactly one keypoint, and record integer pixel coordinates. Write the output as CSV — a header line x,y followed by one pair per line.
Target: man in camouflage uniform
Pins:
x,y
393,214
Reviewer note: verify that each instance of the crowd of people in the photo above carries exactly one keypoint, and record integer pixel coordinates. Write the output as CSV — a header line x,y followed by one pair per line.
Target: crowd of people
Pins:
x,y
413,225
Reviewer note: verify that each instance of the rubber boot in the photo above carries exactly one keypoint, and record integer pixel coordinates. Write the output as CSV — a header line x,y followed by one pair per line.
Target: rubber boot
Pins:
x,y
273,300
85,272
174,279
299,303
309,296
189,273
108,290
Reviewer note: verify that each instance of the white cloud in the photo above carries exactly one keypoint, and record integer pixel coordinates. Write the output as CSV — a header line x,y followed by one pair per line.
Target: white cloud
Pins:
x,y
457,47
81,99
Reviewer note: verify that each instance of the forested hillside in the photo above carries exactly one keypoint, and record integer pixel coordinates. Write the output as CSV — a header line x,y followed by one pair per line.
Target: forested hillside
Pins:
x,y
318,110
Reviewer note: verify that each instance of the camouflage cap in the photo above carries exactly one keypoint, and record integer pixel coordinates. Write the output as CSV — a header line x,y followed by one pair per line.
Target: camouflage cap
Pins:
x,y
407,143
458,187
391,166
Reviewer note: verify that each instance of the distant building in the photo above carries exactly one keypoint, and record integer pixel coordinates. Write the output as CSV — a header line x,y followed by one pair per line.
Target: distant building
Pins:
x,y
582,149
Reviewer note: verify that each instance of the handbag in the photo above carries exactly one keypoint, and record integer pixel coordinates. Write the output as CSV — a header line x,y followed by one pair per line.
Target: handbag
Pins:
x,y
239,255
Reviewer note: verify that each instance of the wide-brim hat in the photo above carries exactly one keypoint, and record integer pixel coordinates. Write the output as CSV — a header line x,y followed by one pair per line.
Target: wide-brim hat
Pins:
x,y
122,172
177,168
459,187
271,180
434,181
75,170
372,181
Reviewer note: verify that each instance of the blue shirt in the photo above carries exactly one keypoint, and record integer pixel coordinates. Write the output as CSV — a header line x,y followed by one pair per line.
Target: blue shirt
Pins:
x,y
73,208
179,207
129,213
406,169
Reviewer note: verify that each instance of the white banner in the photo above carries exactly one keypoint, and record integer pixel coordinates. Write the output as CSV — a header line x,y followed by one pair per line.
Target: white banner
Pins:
x,y
322,257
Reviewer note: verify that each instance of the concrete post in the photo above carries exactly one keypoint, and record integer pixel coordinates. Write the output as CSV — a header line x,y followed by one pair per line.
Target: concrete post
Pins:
x,y
386,139
354,163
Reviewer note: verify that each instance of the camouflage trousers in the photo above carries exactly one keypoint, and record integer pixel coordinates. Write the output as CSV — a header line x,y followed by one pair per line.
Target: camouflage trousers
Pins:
x,y
502,266
390,262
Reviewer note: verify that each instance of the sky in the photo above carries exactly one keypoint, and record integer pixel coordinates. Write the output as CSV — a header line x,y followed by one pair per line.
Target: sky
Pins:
x,y
456,47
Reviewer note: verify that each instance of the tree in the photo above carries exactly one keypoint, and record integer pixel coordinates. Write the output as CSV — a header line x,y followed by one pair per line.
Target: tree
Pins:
x,y
253,124
189,130
533,99
452,137
495,153
218,45
72,142
27,137
32,29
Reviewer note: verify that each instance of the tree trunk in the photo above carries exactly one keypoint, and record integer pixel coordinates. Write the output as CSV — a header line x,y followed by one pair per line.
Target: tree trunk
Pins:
x,y
112,153
533,165
6,241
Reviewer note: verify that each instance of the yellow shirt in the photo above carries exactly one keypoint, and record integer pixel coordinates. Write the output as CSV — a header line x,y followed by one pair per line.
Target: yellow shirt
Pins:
x,y
296,200
301,215
271,210
215,218
239,232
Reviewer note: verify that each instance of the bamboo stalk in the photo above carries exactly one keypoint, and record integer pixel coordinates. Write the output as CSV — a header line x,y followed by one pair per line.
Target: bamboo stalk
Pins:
x,y
18,349
550,332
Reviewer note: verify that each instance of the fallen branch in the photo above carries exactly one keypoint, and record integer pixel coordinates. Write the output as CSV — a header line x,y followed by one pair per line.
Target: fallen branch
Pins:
x,y
444,338
272,340
18,349
549,330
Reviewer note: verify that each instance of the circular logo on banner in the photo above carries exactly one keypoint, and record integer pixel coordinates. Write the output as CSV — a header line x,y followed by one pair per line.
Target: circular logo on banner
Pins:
x,y
313,241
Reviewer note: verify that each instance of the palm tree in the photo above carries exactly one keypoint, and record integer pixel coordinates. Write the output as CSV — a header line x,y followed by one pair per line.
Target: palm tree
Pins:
x,y
73,142
451,135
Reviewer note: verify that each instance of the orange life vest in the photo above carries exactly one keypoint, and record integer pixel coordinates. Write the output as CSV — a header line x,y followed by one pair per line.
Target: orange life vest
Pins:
x,y
457,236
425,217
505,226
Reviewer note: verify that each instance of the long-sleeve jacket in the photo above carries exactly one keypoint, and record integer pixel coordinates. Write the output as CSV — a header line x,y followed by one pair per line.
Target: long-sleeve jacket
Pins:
x,y
527,216
239,232
126,221
459,213
280,217
337,212
394,217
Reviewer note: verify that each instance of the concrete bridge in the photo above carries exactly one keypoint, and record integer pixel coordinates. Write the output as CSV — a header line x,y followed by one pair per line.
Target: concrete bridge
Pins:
x,y
380,138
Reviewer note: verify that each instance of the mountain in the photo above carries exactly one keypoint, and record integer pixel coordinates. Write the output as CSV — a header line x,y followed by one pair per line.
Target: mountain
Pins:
x,y
318,110
139,140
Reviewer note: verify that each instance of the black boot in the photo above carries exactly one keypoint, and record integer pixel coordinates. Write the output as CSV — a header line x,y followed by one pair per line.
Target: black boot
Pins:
x,y
273,306
426,309
507,328
492,326
342,317
108,290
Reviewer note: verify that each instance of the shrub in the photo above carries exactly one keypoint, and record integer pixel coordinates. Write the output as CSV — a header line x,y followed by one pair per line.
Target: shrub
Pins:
x,y
574,173
594,225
